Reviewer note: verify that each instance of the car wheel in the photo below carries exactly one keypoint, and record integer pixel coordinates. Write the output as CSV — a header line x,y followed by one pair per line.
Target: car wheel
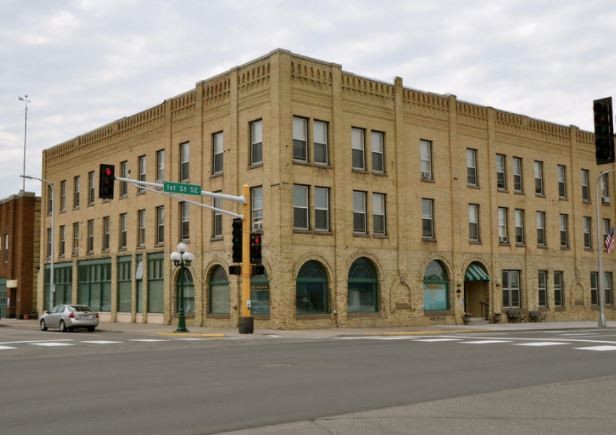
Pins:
x,y
91,328
43,326
62,326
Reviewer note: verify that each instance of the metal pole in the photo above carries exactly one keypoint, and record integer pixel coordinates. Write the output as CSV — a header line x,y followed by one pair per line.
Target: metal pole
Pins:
x,y
246,320
181,317
601,323
52,282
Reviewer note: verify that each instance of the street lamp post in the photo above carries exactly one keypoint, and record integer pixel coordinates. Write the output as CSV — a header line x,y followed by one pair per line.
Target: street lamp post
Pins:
x,y
52,283
601,323
23,172
182,259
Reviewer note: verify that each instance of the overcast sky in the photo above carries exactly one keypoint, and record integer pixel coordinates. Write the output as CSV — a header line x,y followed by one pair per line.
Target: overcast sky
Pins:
x,y
85,63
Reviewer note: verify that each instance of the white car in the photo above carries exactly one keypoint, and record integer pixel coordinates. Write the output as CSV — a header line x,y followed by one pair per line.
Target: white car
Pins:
x,y
68,317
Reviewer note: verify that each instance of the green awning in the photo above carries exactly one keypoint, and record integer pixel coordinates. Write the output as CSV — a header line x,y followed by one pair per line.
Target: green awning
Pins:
x,y
476,273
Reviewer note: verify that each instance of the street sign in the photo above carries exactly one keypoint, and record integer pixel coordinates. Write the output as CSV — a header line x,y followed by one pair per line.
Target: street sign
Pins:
x,y
186,189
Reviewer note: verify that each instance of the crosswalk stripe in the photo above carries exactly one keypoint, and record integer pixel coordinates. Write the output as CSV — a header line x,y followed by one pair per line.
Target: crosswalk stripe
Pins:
x,y
485,342
540,343
148,340
51,344
100,342
436,340
597,348
7,347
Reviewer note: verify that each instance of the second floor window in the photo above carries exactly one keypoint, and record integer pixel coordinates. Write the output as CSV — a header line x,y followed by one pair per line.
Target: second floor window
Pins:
x,y
587,220
300,139
540,218
300,207
90,240
378,151
76,191
184,162
256,212
503,230
91,191
518,185
106,235
76,238
49,199
256,142
62,241
473,223
501,174
359,212
142,163
184,221
160,225
216,218
558,289
538,171
123,226
141,228
519,226
425,154
562,181
358,146
123,174
427,218
379,221
160,166
218,149
564,230
321,208
542,288
605,189
63,195
321,152
471,167
585,185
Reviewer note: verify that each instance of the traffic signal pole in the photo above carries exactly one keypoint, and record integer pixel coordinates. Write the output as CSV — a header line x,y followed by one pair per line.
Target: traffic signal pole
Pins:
x,y
246,325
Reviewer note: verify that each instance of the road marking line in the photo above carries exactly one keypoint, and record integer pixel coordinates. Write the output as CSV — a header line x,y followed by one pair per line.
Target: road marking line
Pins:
x,y
7,347
100,342
597,348
148,340
434,340
485,341
540,343
34,341
52,344
191,339
580,334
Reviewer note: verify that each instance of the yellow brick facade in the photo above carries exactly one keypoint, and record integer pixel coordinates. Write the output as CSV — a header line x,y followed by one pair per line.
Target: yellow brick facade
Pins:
x,y
284,85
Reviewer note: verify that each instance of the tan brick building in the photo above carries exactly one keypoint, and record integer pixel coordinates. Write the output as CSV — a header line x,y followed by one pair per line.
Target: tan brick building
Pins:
x,y
19,254
379,205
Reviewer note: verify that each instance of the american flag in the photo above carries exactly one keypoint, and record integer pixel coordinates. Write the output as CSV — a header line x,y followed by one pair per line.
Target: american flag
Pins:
x,y
610,242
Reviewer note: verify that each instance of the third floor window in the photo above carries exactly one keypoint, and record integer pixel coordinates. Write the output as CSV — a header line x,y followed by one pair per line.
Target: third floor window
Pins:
x,y
217,152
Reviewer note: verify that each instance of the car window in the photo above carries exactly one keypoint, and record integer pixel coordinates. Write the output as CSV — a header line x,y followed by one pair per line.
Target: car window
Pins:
x,y
58,309
80,308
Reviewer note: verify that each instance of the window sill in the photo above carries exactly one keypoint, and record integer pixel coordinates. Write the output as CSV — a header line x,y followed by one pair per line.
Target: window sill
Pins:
x,y
560,309
565,248
519,192
542,246
540,195
217,239
587,201
428,239
427,180
159,245
216,175
563,198
301,162
502,189
319,316
140,247
362,314
520,245
474,242
472,186
359,170
588,249
379,173
361,235
380,236
255,165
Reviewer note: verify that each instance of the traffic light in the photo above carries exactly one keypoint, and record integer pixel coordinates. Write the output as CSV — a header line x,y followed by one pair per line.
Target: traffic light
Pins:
x,y
255,248
237,240
257,269
604,131
106,178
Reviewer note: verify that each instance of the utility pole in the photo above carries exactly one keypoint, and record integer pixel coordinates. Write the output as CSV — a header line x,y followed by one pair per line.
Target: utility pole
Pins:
x,y
23,171
246,320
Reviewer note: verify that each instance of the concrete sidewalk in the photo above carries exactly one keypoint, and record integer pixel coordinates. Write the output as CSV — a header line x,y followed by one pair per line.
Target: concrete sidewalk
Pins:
x,y
158,329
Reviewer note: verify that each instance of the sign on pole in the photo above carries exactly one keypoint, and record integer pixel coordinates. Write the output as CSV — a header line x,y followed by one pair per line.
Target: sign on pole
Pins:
x,y
186,189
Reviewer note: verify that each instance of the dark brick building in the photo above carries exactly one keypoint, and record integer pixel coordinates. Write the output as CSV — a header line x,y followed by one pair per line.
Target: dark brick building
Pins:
x,y
19,253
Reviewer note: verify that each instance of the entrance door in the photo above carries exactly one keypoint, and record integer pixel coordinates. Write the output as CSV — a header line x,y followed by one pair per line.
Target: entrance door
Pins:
x,y
11,302
476,291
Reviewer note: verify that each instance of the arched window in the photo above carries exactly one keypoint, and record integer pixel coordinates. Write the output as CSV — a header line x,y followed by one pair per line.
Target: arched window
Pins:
x,y
218,296
363,287
189,291
436,287
311,289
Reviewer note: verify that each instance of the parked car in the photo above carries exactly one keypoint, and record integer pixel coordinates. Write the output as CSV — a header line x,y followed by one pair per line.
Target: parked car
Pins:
x,y
67,317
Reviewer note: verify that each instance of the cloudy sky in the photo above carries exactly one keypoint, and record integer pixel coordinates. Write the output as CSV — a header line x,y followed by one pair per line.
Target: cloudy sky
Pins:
x,y
84,63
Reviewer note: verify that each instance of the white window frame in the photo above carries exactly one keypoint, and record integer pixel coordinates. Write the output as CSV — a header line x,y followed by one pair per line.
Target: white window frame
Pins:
x,y
185,162
141,228
301,207
256,207
586,185
425,156
501,172
360,212
563,220
123,174
300,139
160,166
123,231
561,171
377,142
160,224
321,142
256,142
538,172
141,164
540,219
503,225
321,208
76,191
218,149
379,213
106,234
520,238
559,288
62,241
358,158
542,288
91,188
473,223
76,237
63,195
427,214
90,236
587,225
184,221
471,167
217,218
518,175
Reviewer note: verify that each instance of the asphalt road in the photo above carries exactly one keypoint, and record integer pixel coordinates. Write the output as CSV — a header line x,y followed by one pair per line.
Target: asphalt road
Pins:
x,y
118,383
